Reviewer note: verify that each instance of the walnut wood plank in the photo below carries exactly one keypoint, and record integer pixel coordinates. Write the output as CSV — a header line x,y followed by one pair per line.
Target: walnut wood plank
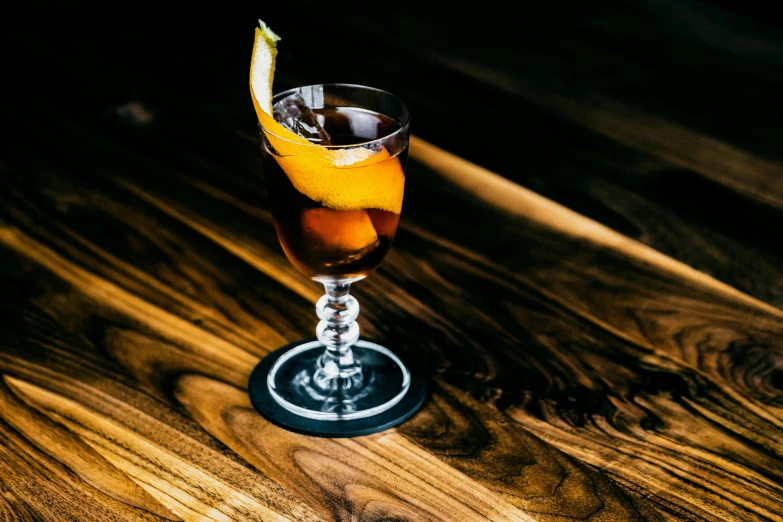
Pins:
x,y
663,330
197,494
605,349
62,445
448,323
37,487
606,500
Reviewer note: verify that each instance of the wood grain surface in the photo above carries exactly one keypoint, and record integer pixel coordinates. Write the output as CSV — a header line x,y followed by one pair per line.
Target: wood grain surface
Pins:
x,y
588,264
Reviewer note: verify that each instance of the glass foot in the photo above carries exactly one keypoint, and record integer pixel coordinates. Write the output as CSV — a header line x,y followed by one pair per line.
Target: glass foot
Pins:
x,y
309,382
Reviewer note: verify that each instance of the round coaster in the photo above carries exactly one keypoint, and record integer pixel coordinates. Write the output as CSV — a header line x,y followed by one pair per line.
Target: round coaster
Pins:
x,y
266,405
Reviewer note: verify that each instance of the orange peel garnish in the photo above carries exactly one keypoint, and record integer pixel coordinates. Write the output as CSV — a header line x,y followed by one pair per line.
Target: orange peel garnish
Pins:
x,y
341,231
343,178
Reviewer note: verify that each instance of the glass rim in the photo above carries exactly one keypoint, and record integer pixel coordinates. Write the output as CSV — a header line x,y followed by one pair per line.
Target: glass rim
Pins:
x,y
404,125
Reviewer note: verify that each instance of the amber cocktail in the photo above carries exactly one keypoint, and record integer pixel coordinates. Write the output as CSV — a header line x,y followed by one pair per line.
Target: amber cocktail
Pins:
x,y
325,243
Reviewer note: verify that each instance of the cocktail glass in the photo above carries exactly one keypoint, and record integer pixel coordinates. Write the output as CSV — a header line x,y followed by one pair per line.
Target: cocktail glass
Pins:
x,y
336,209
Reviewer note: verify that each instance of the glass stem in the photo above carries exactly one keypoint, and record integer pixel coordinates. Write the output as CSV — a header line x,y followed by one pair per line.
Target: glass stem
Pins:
x,y
337,369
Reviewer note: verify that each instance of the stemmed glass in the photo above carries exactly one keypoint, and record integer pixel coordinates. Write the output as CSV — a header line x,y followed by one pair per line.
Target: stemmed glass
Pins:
x,y
336,205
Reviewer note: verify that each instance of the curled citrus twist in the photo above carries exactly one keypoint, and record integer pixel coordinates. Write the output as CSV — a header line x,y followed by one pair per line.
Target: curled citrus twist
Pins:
x,y
340,179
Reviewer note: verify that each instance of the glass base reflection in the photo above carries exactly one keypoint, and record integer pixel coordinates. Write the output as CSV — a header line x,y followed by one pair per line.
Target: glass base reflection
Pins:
x,y
306,382
284,388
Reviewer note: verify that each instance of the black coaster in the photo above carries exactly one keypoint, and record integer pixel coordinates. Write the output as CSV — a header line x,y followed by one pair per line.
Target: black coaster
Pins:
x,y
266,405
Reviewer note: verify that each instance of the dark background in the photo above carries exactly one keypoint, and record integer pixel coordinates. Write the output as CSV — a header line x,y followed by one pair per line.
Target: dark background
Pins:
x,y
83,56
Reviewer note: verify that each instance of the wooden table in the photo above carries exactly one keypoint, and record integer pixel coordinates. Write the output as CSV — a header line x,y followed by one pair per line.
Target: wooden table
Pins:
x,y
589,259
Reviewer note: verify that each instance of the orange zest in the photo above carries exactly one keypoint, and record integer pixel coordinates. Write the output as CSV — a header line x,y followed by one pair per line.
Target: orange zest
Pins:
x,y
343,178
341,231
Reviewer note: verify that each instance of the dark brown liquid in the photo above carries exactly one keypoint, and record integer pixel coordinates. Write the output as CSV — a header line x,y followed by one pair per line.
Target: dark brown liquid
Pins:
x,y
322,242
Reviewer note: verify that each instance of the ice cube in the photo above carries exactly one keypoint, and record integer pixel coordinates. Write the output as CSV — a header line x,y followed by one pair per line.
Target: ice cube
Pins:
x,y
294,114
